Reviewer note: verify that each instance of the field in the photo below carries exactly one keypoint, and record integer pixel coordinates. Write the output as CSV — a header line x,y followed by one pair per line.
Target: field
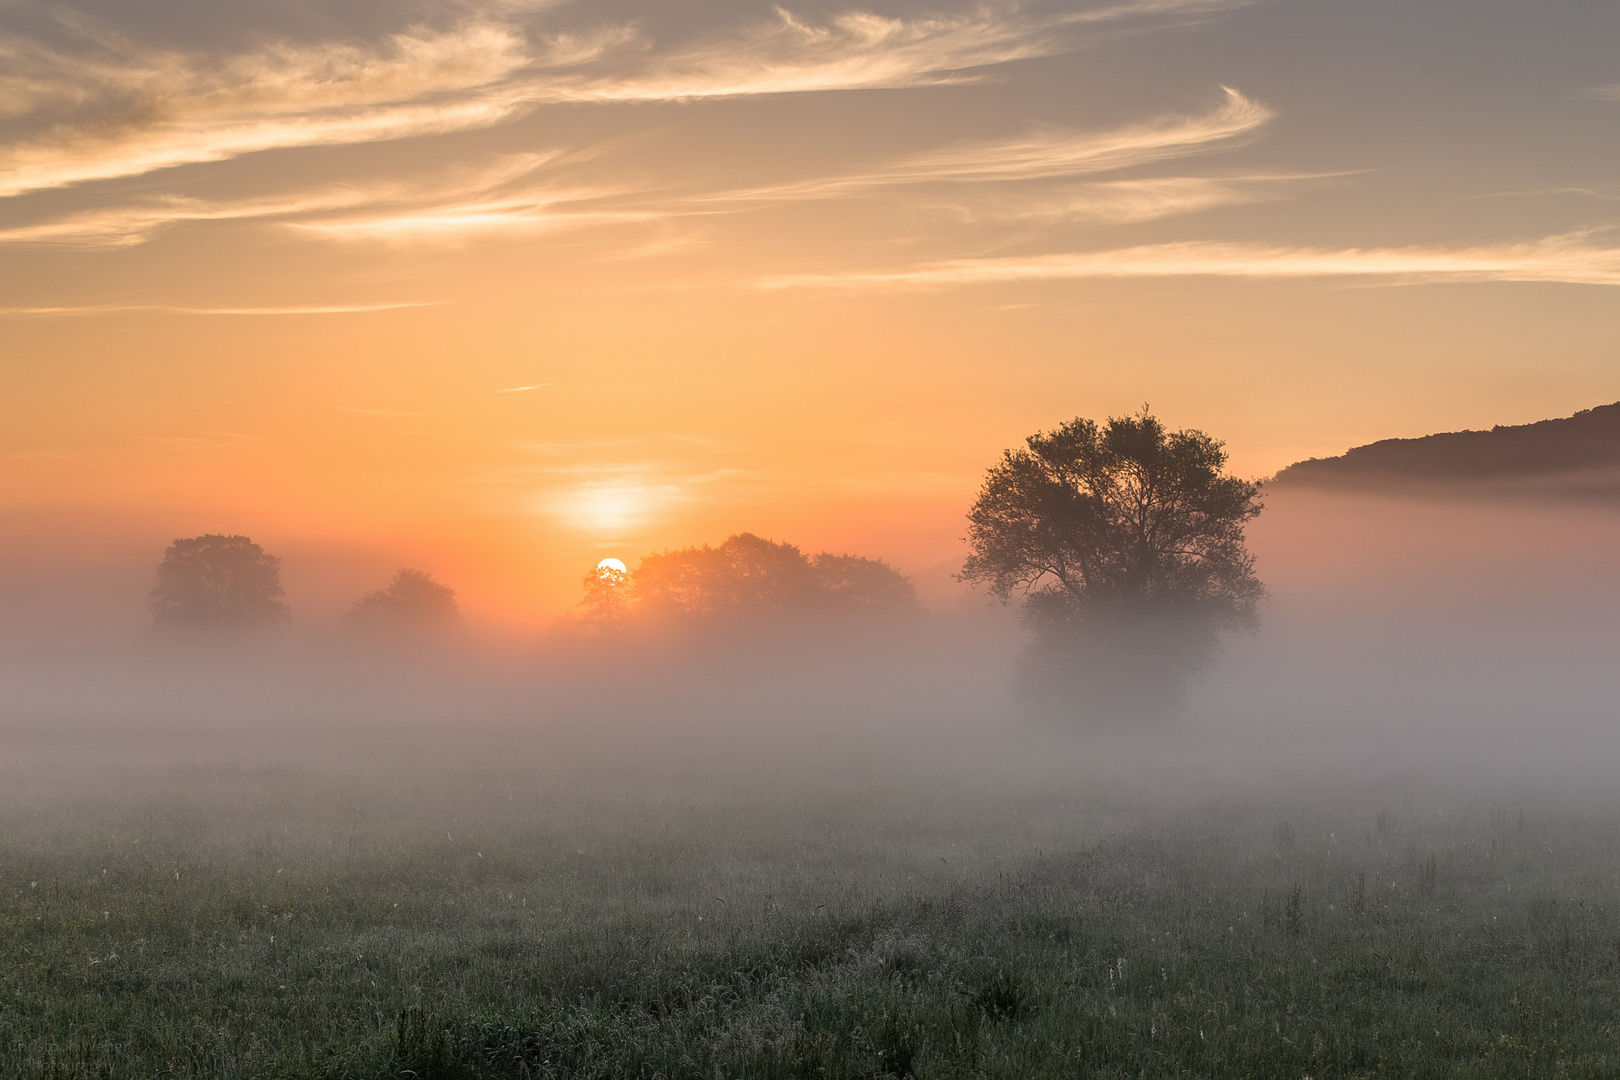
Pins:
x,y
405,904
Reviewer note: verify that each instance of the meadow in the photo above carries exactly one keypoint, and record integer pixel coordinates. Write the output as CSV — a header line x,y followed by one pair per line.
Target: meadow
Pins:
x,y
496,903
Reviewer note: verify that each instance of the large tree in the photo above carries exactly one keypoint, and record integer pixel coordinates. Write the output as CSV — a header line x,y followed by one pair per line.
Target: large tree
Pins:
x,y
1125,542
218,582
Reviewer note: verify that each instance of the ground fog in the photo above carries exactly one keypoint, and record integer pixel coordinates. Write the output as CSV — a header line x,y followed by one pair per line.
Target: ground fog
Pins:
x,y
1382,840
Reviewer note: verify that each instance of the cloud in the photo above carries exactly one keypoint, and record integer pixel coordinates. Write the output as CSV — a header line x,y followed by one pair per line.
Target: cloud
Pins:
x,y
1057,152
1042,154
859,50
130,225
125,226
1117,202
855,50
126,110
1610,92
526,212
1559,259
152,110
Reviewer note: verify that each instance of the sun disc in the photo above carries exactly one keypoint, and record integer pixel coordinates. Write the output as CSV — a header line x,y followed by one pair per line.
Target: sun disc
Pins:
x,y
616,565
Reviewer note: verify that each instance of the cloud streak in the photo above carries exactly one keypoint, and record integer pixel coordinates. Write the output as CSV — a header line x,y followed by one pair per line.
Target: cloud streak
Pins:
x,y
155,110
1042,154
1118,202
1561,259
852,51
468,203
129,110
522,213
126,226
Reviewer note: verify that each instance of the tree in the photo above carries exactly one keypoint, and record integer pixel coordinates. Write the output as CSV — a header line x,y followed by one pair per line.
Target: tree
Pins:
x,y
746,579
1126,542
853,583
607,594
746,576
413,601
218,582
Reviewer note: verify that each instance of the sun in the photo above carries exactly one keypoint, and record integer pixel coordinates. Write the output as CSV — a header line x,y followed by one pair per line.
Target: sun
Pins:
x,y
614,565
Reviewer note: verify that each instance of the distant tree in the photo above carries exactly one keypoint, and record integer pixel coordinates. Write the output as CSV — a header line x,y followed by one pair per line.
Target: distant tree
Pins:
x,y
607,595
853,583
217,582
744,576
747,578
1126,542
413,601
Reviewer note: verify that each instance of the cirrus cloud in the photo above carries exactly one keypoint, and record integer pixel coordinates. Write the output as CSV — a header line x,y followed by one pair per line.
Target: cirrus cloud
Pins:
x,y
121,109
1560,259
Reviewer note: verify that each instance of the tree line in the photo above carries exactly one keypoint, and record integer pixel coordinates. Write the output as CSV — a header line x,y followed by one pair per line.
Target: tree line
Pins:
x,y
217,583
1122,542
745,579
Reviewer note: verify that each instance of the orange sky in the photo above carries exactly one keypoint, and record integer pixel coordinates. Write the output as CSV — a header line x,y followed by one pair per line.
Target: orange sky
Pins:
x,y
498,290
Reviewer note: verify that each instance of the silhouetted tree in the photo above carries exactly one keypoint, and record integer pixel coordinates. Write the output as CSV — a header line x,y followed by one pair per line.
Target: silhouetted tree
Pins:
x,y
218,582
748,578
744,576
413,601
607,596
853,583
1126,542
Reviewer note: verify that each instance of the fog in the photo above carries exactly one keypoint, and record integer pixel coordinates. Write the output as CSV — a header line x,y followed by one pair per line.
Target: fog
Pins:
x,y
1467,639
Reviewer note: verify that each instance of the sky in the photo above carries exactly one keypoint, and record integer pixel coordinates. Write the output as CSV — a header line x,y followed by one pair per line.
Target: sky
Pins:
x,y
498,290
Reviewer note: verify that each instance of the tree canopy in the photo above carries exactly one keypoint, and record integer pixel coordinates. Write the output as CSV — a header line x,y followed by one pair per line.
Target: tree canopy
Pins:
x,y
747,578
412,601
607,595
217,582
1126,543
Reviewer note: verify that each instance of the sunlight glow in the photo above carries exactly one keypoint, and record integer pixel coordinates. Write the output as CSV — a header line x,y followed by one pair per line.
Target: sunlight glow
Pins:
x,y
609,507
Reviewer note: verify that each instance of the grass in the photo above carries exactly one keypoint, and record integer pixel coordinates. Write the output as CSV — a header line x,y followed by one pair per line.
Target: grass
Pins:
x,y
234,922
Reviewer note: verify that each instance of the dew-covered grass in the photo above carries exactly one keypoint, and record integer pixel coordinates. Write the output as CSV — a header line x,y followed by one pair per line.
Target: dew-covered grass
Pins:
x,y
207,918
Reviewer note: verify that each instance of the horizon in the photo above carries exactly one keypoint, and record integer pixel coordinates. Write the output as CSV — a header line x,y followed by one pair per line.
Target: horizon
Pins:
x,y
498,290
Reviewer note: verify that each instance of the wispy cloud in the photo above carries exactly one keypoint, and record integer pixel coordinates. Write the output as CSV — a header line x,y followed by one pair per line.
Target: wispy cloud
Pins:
x,y
1043,154
1116,202
1611,92
173,309
123,110
1607,195
1057,152
853,51
152,110
1559,259
521,389
125,226
527,212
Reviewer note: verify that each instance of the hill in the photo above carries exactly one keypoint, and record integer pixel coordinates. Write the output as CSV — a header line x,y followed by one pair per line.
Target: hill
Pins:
x,y
1574,455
